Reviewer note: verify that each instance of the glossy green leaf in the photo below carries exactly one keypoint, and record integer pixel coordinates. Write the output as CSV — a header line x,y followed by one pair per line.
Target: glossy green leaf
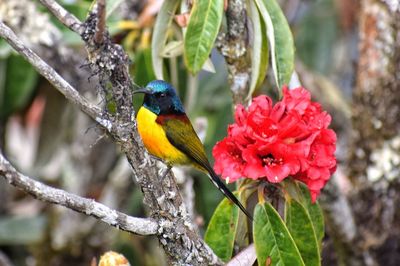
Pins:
x,y
160,34
20,81
272,238
302,230
204,23
221,230
260,51
280,40
315,212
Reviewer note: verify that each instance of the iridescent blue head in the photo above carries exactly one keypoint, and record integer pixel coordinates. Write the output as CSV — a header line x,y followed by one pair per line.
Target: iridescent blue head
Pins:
x,y
161,98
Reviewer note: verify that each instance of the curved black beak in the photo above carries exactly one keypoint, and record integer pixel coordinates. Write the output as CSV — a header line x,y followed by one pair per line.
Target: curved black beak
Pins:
x,y
143,90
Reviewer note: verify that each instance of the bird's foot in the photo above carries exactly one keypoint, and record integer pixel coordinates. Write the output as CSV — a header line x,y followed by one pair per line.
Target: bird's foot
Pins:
x,y
163,172
147,162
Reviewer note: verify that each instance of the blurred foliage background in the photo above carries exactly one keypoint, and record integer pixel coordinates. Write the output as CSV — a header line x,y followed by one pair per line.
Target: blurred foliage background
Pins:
x,y
49,139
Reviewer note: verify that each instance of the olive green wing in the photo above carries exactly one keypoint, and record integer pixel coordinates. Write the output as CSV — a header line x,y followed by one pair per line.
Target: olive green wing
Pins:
x,y
181,134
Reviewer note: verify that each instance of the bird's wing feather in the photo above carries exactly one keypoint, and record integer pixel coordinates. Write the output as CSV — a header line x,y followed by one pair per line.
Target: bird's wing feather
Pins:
x,y
181,134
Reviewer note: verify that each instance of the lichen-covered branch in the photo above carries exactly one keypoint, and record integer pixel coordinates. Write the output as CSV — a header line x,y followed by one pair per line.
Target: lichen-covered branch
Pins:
x,y
140,226
176,232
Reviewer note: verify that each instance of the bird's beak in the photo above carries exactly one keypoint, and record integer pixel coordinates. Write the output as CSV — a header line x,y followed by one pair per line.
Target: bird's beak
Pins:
x,y
143,90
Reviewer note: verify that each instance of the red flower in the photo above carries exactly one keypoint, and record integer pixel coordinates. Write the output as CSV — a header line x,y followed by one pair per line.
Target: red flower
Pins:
x,y
290,138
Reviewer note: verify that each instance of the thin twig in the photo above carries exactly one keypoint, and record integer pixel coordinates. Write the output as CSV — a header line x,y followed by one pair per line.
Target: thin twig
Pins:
x,y
101,22
140,226
64,16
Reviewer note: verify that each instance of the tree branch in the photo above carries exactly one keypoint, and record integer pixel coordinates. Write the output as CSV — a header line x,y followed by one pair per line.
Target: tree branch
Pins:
x,y
140,226
101,24
233,46
176,231
64,16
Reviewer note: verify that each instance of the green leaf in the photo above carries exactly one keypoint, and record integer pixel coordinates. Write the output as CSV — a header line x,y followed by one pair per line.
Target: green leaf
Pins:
x,y
204,23
272,239
20,80
172,49
260,51
280,40
302,230
315,212
21,230
221,230
160,34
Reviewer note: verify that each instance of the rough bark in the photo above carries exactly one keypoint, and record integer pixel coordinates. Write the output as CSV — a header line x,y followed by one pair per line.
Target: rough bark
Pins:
x,y
374,162
233,46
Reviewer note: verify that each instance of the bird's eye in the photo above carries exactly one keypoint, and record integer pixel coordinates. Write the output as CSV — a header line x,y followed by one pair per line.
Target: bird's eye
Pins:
x,y
162,94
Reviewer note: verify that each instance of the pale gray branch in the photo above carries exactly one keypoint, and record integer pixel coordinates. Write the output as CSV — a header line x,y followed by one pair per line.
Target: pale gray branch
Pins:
x,y
64,16
140,226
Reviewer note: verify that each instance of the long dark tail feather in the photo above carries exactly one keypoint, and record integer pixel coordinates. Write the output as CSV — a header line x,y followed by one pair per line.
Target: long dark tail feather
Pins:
x,y
227,193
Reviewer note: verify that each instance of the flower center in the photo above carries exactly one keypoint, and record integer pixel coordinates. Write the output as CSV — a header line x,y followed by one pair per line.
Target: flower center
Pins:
x,y
269,160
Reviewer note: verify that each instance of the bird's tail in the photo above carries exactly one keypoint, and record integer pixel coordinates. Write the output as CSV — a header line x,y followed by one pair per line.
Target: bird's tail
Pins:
x,y
227,193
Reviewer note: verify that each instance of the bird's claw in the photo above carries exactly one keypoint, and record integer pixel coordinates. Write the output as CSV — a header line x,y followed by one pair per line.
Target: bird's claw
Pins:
x,y
163,172
147,162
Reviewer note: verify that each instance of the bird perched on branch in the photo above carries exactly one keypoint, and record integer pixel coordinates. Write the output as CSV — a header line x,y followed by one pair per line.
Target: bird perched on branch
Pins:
x,y
168,134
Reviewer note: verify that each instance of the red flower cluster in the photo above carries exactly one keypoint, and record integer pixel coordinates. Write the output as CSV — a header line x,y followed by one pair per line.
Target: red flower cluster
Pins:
x,y
290,138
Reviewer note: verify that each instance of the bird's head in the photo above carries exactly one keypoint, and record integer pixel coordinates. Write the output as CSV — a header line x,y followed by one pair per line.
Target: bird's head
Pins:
x,y
161,98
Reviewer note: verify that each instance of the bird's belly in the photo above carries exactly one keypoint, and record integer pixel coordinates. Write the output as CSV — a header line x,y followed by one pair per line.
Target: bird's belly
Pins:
x,y
155,140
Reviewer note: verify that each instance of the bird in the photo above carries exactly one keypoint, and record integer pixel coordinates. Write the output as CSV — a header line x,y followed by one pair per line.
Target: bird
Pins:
x,y
168,134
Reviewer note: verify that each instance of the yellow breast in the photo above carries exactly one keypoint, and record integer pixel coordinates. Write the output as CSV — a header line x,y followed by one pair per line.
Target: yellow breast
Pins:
x,y
155,140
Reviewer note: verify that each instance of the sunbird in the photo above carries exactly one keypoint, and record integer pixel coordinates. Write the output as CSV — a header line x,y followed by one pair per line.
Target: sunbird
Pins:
x,y
168,134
